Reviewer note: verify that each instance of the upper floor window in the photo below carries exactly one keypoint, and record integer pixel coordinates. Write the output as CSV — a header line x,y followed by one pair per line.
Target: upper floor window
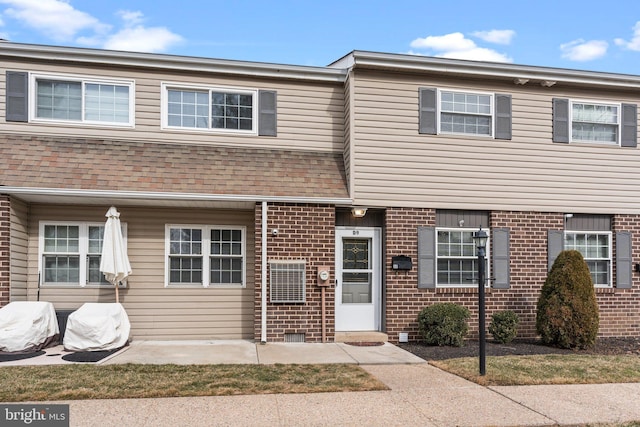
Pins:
x,y
82,100
70,253
458,112
211,108
467,113
595,122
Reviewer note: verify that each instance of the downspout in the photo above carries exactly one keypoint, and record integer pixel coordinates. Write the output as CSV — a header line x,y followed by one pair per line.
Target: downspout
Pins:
x,y
263,275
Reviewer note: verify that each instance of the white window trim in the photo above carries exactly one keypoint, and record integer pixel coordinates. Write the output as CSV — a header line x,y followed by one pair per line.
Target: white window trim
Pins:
x,y
164,101
83,253
609,234
473,92
33,98
594,102
206,256
487,273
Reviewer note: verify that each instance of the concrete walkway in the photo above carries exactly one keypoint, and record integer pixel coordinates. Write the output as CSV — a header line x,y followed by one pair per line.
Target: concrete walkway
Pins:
x,y
419,394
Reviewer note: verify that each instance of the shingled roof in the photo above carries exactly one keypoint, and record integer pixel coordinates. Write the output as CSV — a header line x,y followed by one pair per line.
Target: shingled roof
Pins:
x,y
92,164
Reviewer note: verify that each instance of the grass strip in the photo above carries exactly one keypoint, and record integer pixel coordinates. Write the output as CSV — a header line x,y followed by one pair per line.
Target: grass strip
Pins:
x,y
546,369
75,382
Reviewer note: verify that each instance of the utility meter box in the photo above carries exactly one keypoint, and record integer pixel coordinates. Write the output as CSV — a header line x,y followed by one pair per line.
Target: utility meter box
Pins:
x,y
323,276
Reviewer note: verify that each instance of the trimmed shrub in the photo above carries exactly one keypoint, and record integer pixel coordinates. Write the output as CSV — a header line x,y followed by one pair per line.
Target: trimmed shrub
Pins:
x,y
504,326
444,324
567,313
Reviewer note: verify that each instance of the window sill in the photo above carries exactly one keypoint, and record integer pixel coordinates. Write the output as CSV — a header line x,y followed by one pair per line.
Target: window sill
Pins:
x,y
461,290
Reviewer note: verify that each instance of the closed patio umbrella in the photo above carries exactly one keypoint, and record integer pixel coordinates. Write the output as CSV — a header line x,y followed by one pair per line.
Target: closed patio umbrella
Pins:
x,y
114,262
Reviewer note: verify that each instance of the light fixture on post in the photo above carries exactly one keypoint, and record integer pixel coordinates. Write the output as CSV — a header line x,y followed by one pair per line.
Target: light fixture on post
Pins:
x,y
480,238
358,212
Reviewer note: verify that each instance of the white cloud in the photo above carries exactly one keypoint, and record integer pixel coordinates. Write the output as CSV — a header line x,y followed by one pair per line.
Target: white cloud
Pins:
x,y
141,39
453,41
130,17
457,46
634,43
477,54
581,50
495,36
60,21
55,18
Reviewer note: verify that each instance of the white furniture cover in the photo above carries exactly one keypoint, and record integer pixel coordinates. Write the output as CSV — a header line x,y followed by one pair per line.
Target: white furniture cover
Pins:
x,y
97,326
27,326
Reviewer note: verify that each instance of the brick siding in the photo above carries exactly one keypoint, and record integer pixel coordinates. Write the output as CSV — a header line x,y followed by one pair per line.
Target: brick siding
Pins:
x,y
619,308
304,232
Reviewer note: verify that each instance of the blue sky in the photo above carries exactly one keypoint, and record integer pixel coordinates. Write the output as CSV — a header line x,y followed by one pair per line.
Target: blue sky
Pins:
x,y
584,35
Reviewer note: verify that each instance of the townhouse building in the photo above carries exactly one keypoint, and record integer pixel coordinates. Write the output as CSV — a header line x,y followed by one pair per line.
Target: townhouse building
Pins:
x,y
293,203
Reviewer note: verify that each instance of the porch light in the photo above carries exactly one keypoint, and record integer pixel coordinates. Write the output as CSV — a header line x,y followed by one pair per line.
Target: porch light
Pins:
x,y
358,212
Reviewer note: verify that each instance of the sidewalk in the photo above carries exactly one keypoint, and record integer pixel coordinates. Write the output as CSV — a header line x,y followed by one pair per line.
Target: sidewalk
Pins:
x,y
419,395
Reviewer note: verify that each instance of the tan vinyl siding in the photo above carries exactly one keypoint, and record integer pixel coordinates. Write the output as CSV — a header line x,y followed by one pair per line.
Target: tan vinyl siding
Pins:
x,y
396,166
156,311
348,143
310,115
19,240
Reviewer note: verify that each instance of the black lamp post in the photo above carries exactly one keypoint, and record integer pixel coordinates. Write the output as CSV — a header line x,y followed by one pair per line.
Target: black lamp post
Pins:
x,y
480,238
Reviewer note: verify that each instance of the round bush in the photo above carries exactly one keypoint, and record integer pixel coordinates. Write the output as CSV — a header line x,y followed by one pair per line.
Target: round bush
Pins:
x,y
567,312
444,324
504,326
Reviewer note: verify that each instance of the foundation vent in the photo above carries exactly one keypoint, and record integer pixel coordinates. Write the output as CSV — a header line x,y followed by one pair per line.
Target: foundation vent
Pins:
x,y
287,281
294,337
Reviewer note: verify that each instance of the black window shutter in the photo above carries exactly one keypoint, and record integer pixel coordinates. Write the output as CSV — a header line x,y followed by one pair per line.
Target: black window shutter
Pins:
x,y
267,113
629,133
427,116
555,245
623,260
426,257
17,94
503,116
500,248
560,120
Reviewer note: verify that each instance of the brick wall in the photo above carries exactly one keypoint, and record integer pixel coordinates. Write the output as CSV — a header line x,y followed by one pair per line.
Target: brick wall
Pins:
x,y
4,250
619,309
304,232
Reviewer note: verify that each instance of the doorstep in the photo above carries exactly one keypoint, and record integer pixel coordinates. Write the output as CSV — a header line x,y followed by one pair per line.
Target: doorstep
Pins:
x,y
361,337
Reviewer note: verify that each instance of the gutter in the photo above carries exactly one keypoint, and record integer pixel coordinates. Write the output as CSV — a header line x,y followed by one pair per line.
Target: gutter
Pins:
x,y
459,67
169,62
165,196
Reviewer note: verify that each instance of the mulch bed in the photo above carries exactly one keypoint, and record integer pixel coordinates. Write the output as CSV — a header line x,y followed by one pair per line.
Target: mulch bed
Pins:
x,y
604,346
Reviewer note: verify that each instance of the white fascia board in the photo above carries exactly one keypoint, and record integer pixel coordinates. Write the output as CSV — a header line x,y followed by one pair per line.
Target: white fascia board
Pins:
x,y
141,195
171,62
490,69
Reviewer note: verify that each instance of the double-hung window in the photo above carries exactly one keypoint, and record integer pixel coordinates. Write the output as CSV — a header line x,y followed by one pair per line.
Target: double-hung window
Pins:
x,y
82,100
456,257
595,248
70,253
466,113
205,255
595,122
221,109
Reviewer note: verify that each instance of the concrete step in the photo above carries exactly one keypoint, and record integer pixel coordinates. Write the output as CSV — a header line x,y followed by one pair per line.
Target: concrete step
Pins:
x,y
361,336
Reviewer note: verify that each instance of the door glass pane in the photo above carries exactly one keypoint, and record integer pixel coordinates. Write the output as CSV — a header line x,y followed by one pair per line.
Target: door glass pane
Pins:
x,y
356,285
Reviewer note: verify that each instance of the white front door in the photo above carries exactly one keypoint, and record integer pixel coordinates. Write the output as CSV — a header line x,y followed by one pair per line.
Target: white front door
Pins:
x,y
358,279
